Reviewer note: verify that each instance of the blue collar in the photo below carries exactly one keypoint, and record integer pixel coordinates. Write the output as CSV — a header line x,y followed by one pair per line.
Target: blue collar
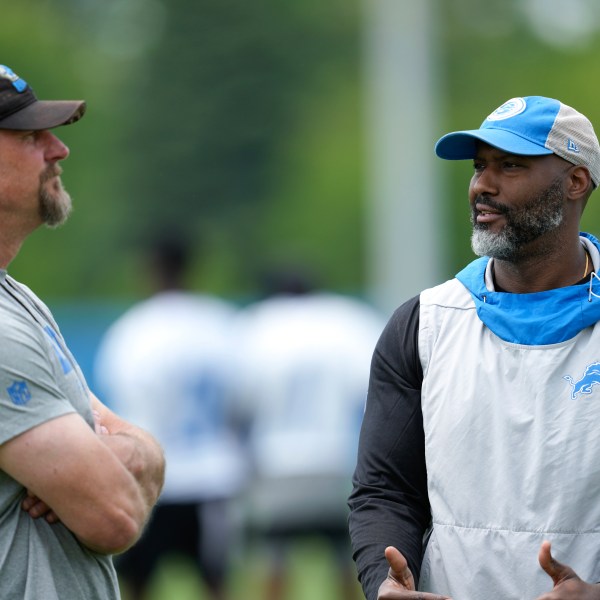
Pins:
x,y
539,318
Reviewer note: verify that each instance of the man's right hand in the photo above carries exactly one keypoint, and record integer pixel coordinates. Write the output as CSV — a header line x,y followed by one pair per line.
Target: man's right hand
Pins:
x,y
400,583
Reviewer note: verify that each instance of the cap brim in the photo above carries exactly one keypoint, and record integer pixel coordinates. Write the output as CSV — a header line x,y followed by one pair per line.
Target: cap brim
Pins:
x,y
462,145
45,114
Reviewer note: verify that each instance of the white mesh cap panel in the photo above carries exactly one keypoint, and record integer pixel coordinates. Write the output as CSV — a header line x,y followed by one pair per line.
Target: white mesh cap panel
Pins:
x,y
572,137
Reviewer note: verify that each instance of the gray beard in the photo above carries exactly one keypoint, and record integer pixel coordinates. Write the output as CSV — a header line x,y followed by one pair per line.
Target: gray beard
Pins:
x,y
55,204
496,245
540,215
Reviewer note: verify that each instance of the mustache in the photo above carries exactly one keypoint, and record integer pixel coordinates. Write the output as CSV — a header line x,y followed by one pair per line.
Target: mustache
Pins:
x,y
501,208
52,171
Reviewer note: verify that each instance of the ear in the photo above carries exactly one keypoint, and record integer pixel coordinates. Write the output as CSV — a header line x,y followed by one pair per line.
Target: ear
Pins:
x,y
579,183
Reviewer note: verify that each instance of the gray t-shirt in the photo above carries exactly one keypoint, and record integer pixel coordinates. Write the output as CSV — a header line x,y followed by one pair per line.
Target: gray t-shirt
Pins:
x,y
39,381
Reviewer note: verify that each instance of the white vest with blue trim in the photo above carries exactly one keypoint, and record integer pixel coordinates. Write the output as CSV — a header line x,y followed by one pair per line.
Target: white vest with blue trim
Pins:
x,y
512,436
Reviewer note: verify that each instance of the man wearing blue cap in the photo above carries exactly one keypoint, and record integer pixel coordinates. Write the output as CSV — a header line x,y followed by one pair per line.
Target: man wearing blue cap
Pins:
x,y
77,483
479,446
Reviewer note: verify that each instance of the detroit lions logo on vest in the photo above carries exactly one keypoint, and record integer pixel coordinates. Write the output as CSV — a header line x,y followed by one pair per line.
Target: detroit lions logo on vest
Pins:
x,y
590,378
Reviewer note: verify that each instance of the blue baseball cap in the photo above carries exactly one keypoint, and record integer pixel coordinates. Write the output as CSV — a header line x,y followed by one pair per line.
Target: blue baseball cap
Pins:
x,y
530,126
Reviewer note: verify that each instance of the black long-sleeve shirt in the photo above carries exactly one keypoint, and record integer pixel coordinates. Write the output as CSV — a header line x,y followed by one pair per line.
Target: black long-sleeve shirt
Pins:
x,y
389,505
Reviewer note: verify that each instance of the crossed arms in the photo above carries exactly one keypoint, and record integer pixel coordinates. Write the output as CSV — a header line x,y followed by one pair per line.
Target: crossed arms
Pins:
x,y
101,485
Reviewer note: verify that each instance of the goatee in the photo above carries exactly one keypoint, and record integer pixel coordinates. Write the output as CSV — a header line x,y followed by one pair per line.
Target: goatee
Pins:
x,y
539,215
55,203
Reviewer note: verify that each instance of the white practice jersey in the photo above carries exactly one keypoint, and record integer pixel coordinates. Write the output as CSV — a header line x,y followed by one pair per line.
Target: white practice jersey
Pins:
x,y
303,371
165,365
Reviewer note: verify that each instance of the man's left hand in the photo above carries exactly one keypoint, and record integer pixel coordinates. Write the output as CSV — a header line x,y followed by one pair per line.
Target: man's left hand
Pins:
x,y
37,508
567,584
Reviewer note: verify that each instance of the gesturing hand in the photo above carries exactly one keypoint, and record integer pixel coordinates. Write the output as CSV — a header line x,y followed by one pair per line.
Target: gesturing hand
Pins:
x,y
400,583
567,584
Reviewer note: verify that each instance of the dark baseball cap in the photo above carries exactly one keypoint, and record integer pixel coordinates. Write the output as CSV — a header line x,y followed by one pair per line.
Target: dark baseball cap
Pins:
x,y
21,110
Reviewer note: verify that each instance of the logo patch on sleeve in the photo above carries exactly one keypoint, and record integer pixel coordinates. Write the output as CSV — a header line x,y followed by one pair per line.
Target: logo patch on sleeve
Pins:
x,y
19,393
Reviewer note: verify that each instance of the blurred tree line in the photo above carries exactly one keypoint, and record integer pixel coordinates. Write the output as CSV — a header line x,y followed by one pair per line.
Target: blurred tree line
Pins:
x,y
236,124
240,125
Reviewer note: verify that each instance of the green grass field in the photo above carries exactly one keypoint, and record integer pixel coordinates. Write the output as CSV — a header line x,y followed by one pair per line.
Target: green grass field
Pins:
x,y
312,576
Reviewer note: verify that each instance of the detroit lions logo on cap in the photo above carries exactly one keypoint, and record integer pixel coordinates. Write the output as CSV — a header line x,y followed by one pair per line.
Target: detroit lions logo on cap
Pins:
x,y
511,108
18,83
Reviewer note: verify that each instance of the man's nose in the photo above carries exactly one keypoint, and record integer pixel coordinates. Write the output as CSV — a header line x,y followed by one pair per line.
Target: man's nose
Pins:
x,y
484,182
56,149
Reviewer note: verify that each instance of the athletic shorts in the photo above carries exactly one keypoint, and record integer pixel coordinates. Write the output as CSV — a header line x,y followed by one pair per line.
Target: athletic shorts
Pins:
x,y
199,531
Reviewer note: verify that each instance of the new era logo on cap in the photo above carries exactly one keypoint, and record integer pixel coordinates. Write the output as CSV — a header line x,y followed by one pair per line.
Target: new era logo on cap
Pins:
x,y
530,126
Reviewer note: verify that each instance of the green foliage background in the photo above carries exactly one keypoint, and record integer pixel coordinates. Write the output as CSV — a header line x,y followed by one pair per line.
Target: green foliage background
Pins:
x,y
241,124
